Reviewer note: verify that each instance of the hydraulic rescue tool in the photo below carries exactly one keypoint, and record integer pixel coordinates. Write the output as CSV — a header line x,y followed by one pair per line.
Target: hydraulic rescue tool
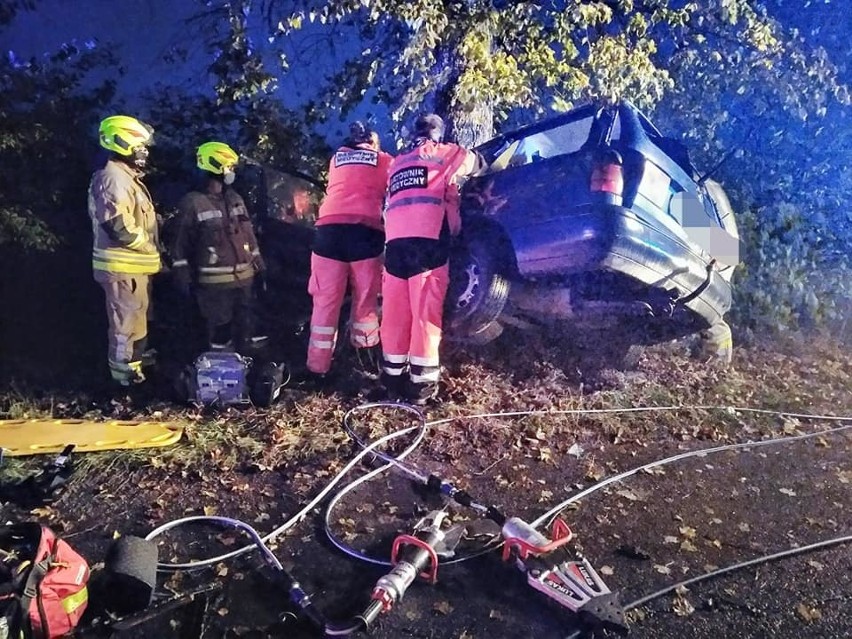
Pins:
x,y
413,555
571,582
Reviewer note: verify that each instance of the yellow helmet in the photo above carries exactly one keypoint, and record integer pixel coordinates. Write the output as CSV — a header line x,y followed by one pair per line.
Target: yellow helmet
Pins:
x,y
217,157
122,134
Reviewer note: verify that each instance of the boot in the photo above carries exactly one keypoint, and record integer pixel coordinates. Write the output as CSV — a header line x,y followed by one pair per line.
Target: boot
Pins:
x,y
394,386
420,394
370,360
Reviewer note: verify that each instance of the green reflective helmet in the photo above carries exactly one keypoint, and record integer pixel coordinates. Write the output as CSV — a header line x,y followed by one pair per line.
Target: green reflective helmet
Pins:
x,y
123,134
217,158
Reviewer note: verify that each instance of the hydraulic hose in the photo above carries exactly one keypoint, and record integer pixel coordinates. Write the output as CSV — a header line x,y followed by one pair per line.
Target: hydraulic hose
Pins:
x,y
295,519
419,477
419,431
721,571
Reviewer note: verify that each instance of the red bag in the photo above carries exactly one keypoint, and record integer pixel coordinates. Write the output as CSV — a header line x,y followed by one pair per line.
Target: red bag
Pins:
x,y
42,583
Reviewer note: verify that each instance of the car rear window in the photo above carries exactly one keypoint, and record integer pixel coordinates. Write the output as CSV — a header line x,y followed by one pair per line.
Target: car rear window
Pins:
x,y
561,140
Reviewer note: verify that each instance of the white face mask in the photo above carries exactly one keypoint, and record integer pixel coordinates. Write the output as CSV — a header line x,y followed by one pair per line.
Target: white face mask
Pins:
x,y
228,177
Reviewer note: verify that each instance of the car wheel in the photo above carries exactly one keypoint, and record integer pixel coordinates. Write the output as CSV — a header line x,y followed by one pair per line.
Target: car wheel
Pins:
x,y
716,344
484,336
478,290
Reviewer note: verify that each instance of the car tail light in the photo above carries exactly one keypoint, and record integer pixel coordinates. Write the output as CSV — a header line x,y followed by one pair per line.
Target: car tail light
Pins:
x,y
608,173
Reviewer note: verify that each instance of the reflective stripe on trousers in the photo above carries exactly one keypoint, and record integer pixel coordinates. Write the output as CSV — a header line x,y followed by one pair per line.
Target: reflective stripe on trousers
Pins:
x,y
127,316
412,318
327,287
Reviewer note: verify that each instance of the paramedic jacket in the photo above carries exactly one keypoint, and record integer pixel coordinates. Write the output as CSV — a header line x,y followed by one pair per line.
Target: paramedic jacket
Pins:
x,y
216,239
349,224
423,205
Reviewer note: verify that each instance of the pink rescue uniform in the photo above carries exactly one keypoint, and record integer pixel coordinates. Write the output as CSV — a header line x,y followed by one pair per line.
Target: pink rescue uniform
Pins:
x,y
348,249
422,214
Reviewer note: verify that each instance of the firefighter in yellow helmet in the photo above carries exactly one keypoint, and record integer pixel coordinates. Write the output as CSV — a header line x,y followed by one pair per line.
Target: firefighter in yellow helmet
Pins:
x,y
215,251
126,251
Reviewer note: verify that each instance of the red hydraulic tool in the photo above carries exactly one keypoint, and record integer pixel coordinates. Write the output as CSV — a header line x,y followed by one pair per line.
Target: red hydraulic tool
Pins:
x,y
567,578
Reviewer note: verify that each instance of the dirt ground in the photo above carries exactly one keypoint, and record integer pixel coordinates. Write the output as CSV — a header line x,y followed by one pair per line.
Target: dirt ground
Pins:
x,y
652,530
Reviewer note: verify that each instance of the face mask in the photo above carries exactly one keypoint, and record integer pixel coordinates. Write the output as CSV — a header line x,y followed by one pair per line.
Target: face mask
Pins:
x,y
139,157
228,177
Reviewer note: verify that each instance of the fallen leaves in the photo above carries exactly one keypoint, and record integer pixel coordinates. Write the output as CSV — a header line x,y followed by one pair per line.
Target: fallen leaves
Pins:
x,y
681,606
808,613
688,546
663,569
442,607
787,491
688,532
628,495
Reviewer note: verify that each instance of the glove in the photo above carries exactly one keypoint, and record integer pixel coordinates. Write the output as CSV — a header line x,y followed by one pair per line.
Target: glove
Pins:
x,y
182,281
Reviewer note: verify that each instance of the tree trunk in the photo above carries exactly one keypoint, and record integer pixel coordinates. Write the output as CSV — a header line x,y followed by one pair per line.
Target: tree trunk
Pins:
x,y
468,124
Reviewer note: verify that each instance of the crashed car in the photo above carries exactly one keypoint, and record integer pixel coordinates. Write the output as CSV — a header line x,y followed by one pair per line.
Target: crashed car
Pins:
x,y
597,220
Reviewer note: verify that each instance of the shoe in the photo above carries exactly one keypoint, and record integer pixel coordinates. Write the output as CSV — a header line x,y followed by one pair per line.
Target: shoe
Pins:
x,y
222,346
394,386
370,361
420,394
316,381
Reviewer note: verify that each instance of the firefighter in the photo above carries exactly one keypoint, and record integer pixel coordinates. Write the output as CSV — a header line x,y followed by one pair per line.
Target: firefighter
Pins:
x,y
215,251
422,215
348,248
126,249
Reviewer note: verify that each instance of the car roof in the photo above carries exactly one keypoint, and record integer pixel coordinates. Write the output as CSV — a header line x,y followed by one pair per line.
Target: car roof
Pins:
x,y
578,113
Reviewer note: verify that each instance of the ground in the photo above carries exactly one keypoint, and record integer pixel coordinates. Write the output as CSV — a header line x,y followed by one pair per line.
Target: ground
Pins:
x,y
649,531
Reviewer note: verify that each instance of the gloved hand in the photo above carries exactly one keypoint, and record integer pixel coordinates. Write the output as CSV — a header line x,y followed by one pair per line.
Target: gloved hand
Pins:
x,y
182,280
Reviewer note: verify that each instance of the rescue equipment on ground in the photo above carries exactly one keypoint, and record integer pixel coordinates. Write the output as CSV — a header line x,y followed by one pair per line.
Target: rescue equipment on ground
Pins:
x,y
568,579
40,436
43,486
43,581
223,378
130,575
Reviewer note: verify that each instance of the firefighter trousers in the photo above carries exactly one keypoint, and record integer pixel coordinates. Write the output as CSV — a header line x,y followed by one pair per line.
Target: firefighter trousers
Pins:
x,y
412,318
227,311
327,287
127,300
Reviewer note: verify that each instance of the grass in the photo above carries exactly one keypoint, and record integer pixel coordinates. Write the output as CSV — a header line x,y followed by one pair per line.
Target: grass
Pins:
x,y
305,430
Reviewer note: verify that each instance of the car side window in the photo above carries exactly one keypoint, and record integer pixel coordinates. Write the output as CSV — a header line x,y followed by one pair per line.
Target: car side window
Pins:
x,y
562,140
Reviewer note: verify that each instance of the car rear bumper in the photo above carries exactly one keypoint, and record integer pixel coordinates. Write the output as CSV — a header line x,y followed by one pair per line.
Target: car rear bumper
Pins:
x,y
607,237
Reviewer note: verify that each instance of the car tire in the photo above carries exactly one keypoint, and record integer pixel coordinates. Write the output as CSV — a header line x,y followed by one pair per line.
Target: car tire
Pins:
x,y
478,289
484,336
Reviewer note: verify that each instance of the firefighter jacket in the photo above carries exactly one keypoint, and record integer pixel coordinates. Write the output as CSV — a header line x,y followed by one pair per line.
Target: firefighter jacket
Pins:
x,y
357,177
216,240
124,223
423,205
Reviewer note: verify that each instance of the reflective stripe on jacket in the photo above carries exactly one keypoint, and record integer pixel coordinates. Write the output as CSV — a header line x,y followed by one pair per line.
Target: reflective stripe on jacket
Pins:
x,y
124,223
423,190
215,238
357,177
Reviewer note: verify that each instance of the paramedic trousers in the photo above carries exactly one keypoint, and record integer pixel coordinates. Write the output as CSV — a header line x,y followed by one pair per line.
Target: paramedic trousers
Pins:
x,y
127,303
327,287
412,318
228,314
